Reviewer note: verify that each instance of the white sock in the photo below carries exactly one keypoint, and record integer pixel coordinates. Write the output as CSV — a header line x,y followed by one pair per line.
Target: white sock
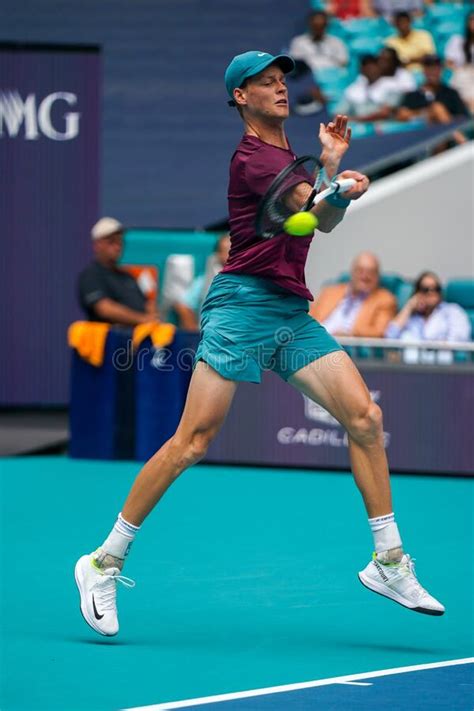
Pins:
x,y
120,538
385,532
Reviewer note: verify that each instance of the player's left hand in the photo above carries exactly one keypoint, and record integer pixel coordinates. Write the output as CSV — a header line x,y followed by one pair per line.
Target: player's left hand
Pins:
x,y
335,137
357,190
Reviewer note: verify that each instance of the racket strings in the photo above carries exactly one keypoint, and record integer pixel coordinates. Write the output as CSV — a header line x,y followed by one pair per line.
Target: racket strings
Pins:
x,y
320,179
274,209
277,210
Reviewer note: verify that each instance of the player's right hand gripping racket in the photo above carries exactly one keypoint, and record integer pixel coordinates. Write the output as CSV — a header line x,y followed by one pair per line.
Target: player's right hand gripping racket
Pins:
x,y
273,210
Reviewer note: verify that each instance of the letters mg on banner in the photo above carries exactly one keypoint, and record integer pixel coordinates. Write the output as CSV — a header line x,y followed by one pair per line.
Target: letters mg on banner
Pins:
x,y
34,114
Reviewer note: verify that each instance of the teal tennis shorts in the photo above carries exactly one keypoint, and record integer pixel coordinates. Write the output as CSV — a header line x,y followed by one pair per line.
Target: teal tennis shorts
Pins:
x,y
249,324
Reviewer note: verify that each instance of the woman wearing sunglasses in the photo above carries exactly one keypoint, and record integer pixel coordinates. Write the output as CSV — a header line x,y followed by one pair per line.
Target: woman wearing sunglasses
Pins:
x,y
426,317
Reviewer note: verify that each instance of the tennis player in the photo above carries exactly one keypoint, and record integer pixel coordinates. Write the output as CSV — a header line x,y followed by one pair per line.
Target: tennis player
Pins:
x,y
255,317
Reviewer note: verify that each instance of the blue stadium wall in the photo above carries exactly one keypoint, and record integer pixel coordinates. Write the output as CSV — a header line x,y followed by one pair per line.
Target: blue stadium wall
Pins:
x,y
168,133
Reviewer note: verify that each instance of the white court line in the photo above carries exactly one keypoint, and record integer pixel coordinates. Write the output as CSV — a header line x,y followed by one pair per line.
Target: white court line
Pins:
x,y
294,687
354,683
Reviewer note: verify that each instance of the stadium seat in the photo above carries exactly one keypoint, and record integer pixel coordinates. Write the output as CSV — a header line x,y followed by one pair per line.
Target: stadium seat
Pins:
x,y
441,12
461,291
421,23
153,247
330,75
362,130
386,29
333,92
366,45
388,281
333,81
445,30
391,282
363,27
403,293
336,28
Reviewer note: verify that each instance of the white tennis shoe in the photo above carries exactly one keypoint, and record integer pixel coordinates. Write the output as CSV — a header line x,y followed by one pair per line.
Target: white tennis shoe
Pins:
x,y
398,582
98,591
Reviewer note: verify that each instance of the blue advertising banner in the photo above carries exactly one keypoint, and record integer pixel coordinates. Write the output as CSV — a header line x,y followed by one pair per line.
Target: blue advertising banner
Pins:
x,y
49,147
427,424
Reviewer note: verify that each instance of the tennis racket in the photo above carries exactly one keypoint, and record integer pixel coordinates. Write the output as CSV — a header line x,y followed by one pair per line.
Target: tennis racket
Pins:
x,y
273,210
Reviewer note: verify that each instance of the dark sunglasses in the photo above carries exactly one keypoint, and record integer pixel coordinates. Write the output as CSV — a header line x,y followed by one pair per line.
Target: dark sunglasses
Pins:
x,y
430,289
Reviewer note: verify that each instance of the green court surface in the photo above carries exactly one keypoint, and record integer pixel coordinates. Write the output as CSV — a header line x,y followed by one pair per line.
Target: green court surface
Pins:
x,y
246,578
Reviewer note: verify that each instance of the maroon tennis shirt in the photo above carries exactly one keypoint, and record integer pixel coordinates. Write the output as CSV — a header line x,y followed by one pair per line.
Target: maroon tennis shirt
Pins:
x,y
282,259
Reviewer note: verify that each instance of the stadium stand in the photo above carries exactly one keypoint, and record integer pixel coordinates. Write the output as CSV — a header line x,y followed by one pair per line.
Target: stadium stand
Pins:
x,y
399,286
461,291
153,129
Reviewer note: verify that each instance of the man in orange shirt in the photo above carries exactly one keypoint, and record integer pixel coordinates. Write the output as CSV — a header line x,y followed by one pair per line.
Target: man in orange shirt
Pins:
x,y
361,307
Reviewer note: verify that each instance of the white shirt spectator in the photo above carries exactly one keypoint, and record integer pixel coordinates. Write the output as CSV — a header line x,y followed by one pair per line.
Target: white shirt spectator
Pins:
x,y
463,81
362,98
454,51
197,292
342,318
463,71
447,322
319,54
387,91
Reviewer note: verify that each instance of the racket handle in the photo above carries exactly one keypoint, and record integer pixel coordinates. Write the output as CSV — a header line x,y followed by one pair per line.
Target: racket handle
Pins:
x,y
344,184
335,187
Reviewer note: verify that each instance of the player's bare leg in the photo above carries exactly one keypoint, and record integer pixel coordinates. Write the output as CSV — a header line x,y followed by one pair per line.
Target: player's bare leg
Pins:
x,y
208,401
334,382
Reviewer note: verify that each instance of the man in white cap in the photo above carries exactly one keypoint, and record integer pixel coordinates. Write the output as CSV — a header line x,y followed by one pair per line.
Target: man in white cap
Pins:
x,y
106,292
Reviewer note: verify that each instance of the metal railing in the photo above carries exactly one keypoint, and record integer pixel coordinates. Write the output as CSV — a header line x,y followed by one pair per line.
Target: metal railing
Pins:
x,y
410,352
417,150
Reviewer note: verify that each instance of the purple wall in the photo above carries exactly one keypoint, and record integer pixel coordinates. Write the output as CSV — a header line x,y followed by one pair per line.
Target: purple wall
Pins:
x,y
49,146
427,424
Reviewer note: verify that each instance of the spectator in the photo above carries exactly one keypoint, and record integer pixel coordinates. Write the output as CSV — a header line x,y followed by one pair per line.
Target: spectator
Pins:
x,y
361,307
433,100
411,45
188,310
426,317
459,56
318,48
378,89
106,292
459,49
396,78
348,9
387,8
358,101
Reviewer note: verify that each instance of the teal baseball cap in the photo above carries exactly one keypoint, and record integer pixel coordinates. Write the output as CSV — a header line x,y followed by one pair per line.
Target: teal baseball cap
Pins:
x,y
250,63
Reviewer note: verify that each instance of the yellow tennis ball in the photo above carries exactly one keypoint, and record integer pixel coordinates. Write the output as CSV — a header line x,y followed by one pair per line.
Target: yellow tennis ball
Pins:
x,y
301,224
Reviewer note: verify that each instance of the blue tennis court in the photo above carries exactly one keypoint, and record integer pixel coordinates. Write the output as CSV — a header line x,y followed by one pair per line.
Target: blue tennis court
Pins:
x,y
443,685
246,580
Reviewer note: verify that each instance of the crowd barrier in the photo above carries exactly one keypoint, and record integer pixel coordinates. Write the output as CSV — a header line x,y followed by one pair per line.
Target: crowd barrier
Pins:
x,y
128,407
